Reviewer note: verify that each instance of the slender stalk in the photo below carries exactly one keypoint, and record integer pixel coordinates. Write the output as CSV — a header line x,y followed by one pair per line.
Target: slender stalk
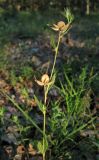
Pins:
x,y
44,119
46,88
56,52
45,95
57,49
44,132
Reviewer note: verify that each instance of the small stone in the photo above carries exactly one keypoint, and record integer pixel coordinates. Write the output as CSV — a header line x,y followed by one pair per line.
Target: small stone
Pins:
x,y
35,50
31,91
10,138
17,157
97,157
97,40
36,61
53,92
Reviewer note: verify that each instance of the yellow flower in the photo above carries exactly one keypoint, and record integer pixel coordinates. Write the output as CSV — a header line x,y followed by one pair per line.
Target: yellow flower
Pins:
x,y
44,80
60,26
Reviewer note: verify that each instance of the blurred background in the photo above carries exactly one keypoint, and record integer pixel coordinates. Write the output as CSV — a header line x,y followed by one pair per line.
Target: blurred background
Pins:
x,y
25,35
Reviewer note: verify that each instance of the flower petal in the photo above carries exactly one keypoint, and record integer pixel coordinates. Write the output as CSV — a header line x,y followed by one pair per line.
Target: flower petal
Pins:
x,y
64,28
55,29
60,24
45,79
39,83
56,26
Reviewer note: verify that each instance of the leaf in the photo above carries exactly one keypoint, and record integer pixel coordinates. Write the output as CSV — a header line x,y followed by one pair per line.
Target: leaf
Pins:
x,y
52,42
96,144
45,144
51,83
43,147
40,147
39,103
22,111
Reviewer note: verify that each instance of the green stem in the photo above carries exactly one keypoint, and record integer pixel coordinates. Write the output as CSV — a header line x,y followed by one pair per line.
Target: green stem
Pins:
x,y
44,120
44,129
43,156
56,52
45,96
